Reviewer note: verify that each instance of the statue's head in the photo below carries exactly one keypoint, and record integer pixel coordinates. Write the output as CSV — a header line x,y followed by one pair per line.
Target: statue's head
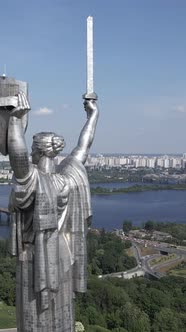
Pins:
x,y
46,144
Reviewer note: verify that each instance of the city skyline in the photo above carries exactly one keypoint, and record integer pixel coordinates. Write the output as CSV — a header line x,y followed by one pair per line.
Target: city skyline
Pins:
x,y
125,160
139,70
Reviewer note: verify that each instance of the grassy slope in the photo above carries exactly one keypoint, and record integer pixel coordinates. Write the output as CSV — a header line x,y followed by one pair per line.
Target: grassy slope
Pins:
x,y
7,316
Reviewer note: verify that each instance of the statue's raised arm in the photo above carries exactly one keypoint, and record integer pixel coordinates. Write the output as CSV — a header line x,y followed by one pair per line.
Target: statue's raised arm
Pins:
x,y
17,149
88,132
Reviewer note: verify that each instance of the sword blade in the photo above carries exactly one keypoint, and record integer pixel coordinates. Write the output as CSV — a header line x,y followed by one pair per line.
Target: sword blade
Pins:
x,y
90,58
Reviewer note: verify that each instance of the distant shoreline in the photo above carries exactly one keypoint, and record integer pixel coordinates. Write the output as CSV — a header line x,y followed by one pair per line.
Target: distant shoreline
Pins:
x,y
100,190
136,188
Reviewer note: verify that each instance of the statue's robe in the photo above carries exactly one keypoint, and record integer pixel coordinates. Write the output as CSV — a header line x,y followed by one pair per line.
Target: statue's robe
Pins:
x,y
49,220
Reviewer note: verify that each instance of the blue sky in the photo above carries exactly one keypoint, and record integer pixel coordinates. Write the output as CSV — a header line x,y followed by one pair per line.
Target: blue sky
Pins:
x,y
140,69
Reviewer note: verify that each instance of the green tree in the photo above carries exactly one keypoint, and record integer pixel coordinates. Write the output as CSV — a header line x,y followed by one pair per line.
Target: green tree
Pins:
x,y
7,280
152,300
107,253
96,328
7,288
167,321
134,320
119,329
127,226
3,248
113,319
94,316
150,225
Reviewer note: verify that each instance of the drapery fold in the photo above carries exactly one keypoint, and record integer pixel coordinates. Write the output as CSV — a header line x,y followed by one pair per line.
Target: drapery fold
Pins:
x,y
36,207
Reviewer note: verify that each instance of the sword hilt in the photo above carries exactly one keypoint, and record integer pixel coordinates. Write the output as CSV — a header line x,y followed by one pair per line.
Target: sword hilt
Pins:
x,y
90,96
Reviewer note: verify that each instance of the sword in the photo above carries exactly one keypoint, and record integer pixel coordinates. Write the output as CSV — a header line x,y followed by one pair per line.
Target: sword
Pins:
x,y
90,94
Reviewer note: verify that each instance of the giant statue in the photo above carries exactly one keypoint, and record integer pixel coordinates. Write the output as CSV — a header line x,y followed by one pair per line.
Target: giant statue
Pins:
x,y
49,209
49,212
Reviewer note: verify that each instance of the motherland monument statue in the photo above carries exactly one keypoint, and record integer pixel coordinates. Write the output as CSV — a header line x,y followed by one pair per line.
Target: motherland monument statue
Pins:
x,y
49,209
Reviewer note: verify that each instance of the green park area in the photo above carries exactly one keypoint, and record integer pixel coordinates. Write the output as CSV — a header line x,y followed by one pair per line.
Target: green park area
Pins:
x,y
7,316
179,271
162,259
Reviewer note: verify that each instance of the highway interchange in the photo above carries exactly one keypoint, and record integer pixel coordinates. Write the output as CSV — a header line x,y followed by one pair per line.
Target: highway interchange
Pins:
x,y
143,262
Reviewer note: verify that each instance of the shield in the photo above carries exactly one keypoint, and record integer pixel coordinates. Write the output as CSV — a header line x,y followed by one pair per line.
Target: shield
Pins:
x,y
4,118
9,88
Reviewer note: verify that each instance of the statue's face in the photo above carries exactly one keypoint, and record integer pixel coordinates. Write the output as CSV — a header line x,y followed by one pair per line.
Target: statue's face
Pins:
x,y
36,155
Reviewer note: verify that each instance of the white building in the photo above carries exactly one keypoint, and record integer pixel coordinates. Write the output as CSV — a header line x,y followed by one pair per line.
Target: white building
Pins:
x,y
151,162
166,162
160,162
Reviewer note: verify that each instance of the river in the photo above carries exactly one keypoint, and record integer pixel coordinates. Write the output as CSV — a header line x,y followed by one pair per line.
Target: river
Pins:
x,y
109,211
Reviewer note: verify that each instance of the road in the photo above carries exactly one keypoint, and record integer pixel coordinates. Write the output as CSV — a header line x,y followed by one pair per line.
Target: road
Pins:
x,y
175,260
162,246
148,269
143,264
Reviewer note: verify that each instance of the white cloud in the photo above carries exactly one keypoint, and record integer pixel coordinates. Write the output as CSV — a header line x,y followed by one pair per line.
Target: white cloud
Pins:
x,y
43,111
65,106
180,109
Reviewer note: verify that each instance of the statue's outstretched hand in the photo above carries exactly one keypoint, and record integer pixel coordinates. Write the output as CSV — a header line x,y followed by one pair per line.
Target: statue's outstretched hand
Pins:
x,y
90,107
23,106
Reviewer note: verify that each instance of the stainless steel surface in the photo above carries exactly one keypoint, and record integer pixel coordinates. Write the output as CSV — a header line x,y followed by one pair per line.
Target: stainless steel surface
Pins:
x,y
90,78
4,119
8,102
49,212
90,94
9,89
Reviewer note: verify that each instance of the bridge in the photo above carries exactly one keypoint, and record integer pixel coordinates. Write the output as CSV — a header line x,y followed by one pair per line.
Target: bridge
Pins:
x,y
141,270
135,272
169,250
4,211
162,248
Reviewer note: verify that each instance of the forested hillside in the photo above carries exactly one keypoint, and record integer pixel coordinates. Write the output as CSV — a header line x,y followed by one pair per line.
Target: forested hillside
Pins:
x,y
135,305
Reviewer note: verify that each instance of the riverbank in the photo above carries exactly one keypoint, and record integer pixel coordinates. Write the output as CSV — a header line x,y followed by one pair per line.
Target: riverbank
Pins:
x,y
136,188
